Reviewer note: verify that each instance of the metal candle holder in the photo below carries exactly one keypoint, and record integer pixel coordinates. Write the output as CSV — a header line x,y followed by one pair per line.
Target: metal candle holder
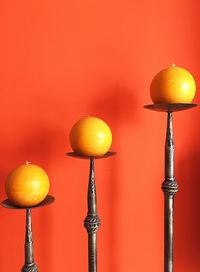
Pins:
x,y
30,265
92,220
169,186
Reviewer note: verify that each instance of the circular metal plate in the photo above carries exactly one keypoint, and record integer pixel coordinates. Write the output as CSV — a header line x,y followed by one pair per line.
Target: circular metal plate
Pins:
x,y
48,200
75,155
170,107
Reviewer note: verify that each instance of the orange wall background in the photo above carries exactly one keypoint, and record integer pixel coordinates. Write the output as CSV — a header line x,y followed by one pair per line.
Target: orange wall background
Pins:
x,y
61,60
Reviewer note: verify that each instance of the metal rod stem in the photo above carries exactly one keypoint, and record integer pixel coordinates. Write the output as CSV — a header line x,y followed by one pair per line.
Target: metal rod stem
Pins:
x,y
169,188
29,266
169,150
92,221
168,250
92,251
92,209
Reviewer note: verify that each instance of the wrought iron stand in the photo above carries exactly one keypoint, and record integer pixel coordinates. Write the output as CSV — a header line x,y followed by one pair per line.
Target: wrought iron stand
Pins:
x,y
92,221
169,186
29,265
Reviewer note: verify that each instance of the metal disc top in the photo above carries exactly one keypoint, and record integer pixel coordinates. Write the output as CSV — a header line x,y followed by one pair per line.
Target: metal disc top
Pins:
x,y
8,204
170,107
76,155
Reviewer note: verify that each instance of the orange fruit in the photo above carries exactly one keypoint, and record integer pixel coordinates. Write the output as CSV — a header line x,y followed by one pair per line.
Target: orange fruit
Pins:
x,y
90,136
173,85
27,185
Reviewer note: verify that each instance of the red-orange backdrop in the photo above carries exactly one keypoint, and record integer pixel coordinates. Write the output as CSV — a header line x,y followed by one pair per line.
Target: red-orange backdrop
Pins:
x,y
64,59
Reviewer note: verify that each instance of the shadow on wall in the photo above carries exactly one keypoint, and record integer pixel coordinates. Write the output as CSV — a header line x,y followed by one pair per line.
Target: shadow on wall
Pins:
x,y
116,106
187,213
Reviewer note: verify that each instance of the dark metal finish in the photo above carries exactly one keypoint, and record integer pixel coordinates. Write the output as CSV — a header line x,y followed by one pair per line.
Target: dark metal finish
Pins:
x,y
47,201
29,265
170,107
169,188
76,155
92,221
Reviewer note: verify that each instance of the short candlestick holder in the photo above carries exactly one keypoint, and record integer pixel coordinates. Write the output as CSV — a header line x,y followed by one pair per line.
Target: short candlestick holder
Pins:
x,y
30,265
92,220
169,186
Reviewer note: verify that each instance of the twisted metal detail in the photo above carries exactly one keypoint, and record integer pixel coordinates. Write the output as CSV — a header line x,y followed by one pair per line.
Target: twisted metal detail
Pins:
x,y
170,187
92,223
30,268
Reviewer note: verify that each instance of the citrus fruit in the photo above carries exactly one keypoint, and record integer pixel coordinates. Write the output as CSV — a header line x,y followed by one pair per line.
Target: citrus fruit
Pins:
x,y
173,85
27,185
90,136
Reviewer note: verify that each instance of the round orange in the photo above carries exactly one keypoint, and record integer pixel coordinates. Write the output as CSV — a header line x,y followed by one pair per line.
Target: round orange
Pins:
x,y
27,185
173,85
90,136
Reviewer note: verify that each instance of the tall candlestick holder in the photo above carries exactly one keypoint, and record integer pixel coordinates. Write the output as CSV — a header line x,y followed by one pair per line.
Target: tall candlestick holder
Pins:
x,y
92,220
30,265
169,186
